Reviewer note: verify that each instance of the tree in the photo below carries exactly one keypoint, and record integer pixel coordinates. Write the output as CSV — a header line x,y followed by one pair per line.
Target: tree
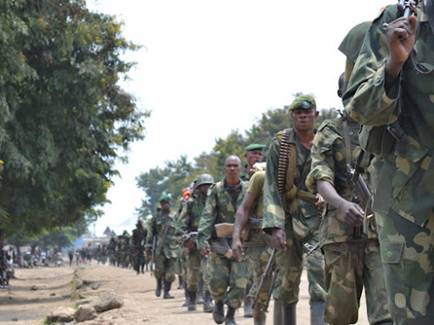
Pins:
x,y
65,117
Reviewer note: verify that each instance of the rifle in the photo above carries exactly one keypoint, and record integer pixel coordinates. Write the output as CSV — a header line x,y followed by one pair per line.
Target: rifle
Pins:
x,y
269,273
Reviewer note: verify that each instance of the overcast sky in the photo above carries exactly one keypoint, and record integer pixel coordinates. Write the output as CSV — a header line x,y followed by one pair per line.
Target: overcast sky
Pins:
x,y
208,67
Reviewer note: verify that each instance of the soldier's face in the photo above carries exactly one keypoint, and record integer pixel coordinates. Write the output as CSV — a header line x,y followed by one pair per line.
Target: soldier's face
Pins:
x,y
165,206
253,157
232,168
304,119
204,188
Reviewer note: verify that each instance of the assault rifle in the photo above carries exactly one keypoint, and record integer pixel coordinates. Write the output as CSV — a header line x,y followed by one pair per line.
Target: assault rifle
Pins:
x,y
269,275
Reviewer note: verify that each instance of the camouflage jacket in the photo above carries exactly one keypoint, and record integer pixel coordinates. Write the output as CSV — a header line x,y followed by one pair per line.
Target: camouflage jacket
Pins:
x,y
407,176
190,214
219,208
329,163
138,238
163,228
275,211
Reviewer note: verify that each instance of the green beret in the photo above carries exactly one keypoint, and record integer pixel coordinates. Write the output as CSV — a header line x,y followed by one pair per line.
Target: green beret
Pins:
x,y
255,146
165,197
303,102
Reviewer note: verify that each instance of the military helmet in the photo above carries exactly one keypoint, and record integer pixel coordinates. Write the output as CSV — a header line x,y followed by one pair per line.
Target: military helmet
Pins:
x,y
165,197
303,102
204,179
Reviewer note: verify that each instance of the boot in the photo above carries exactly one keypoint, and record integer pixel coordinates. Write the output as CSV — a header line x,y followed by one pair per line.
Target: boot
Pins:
x,y
248,307
207,302
158,288
230,316
187,298
219,312
200,292
317,313
289,317
192,301
278,312
167,286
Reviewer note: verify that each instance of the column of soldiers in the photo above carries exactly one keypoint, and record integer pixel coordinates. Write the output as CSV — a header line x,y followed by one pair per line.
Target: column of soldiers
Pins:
x,y
352,200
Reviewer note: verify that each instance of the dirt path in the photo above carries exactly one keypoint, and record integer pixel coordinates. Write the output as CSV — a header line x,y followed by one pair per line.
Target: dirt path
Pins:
x,y
34,294
137,291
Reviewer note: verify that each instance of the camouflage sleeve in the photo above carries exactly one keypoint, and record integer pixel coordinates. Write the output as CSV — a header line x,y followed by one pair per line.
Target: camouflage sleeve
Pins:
x,y
274,213
366,99
207,218
323,163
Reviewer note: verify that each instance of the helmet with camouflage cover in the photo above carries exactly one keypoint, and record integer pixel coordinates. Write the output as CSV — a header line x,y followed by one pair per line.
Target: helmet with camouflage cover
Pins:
x,y
204,179
303,102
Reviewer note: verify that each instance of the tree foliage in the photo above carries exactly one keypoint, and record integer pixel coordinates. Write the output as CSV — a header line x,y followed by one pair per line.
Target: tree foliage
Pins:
x,y
63,116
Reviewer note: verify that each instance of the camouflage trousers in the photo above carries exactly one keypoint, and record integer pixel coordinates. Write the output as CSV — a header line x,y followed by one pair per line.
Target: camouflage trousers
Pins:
x,y
407,253
349,267
227,279
139,260
257,258
289,264
193,270
164,268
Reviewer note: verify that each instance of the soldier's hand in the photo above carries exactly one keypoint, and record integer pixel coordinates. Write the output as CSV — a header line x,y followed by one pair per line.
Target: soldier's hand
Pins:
x,y
350,213
319,202
278,239
205,250
401,37
237,249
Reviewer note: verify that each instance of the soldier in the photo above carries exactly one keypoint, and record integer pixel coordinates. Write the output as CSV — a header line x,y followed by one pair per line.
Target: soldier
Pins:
x,y
227,277
249,218
163,229
352,258
138,245
290,214
254,154
189,217
111,249
390,92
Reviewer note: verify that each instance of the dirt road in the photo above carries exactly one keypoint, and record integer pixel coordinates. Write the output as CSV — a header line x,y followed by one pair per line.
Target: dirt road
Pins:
x,y
22,305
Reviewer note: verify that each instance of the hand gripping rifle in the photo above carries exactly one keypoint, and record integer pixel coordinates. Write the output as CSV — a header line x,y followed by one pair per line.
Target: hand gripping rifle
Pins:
x,y
408,7
269,274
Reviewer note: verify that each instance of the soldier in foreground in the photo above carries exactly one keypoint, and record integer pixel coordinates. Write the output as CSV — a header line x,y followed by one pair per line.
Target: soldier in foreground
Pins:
x,y
162,233
253,245
290,212
391,93
349,243
189,218
227,277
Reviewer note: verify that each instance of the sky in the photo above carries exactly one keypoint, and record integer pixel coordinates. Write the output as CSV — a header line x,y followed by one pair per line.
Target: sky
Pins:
x,y
206,67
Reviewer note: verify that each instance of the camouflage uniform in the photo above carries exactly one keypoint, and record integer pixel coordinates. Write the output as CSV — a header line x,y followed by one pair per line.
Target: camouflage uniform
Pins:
x,y
166,248
224,272
138,244
195,262
405,201
257,253
301,225
352,259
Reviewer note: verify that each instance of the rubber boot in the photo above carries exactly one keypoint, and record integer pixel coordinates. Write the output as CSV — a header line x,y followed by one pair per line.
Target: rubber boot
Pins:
x,y
248,307
158,288
317,313
289,316
192,301
167,286
230,316
200,291
278,313
208,306
219,312
187,298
